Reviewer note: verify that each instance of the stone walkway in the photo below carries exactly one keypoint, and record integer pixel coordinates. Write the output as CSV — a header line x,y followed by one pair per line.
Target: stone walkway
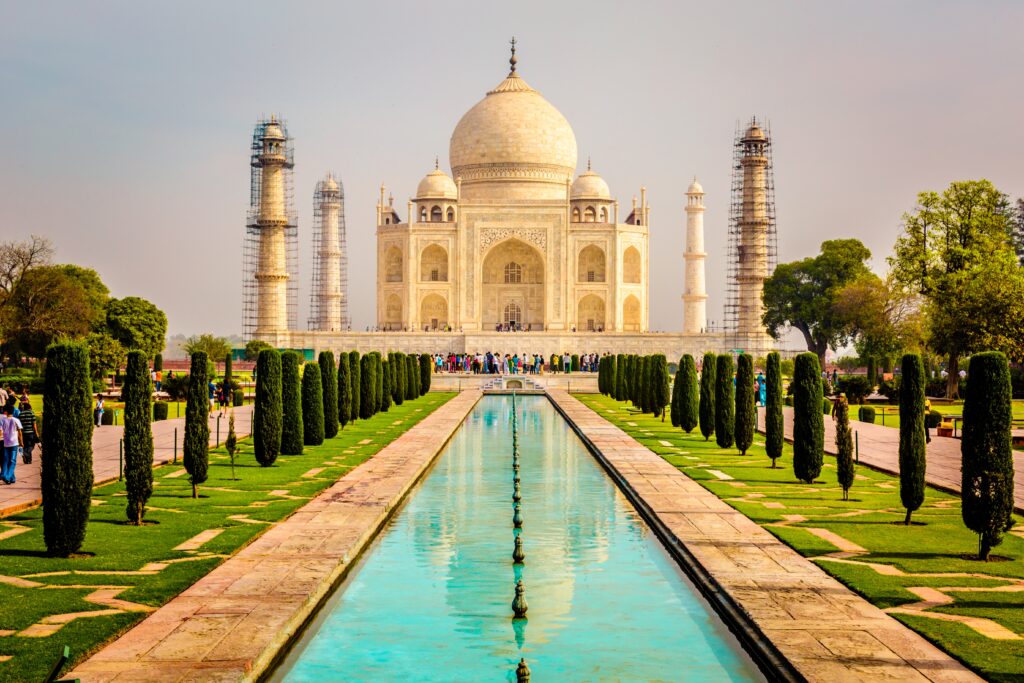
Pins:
x,y
826,631
880,448
230,624
25,492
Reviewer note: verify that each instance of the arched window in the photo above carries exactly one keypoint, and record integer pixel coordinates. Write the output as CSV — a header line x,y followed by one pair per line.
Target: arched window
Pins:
x,y
513,273
451,215
434,264
512,314
631,266
591,264
575,215
393,265
589,215
435,214
604,214
423,214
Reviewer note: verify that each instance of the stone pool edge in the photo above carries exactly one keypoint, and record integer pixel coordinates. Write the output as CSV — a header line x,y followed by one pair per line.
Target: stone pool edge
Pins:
x,y
797,622
237,621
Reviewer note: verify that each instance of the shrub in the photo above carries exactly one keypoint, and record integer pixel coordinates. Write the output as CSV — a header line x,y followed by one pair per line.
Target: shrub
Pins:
x,y
138,436
344,390
426,367
329,392
378,387
176,386
67,442
844,447
866,414
619,392
774,434
855,387
658,385
313,404
826,406
355,384
158,363
367,386
291,405
398,381
1017,382
108,417
677,390
575,363
688,396
987,456
707,396
237,397
197,424
808,420
725,407
385,396
266,416
745,408
159,411
912,435
788,401
932,419
890,388
412,371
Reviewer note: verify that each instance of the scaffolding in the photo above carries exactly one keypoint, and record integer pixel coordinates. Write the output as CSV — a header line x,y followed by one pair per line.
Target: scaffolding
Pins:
x,y
753,243
254,230
328,306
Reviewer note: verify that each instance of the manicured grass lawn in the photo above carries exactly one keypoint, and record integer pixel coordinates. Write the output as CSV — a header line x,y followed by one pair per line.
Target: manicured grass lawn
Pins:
x,y
933,555
122,558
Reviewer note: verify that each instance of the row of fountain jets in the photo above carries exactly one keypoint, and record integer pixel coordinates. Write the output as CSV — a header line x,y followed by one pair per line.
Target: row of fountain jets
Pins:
x,y
519,605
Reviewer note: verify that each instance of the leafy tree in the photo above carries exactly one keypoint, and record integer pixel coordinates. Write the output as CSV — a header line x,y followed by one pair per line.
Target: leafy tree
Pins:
x,y
17,258
987,456
883,317
137,324
426,368
707,395
808,419
745,408
138,436
956,250
96,293
619,393
844,447
105,353
253,348
802,294
196,446
355,382
344,390
267,416
67,476
658,385
367,385
912,434
312,405
329,392
774,434
724,402
212,346
689,393
1017,231
291,405
385,395
45,305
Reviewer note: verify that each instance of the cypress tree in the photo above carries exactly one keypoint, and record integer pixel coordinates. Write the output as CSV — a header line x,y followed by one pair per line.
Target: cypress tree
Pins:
x,y
355,381
385,396
291,405
227,371
677,390
659,388
138,436
610,374
912,437
844,447
745,408
639,384
808,419
398,379
574,362
412,372
602,370
344,390
67,442
329,392
158,363
986,451
725,408
619,392
367,385
774,434
266,416
707,396
426,368
312,405
689,413
196,447
872,373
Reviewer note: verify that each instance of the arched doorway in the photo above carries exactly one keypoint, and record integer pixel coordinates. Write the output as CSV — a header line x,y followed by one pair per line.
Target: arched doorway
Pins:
x,y
631,314
591,264
392,312
393,265
513,286
433,312
631,266
434,264
590,313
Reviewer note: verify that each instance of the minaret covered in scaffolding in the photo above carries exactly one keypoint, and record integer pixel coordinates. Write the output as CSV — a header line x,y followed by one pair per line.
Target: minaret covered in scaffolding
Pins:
x,y
270,254
752,240
329,305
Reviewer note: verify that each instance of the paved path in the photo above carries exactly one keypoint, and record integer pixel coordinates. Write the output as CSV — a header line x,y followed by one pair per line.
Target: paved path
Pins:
x,y
230,624
879,448
826,631
25,493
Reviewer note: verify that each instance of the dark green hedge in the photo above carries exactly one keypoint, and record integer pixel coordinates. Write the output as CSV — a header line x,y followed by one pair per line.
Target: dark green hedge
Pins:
x,y
367,386
725,407
866,414
808,420
398,381
426,368
138,436
344,390
774,424
745,415
159,411
707,396
689,395
266,417
291,405
912,434
356,383
196,447
329,392
385,396
313,404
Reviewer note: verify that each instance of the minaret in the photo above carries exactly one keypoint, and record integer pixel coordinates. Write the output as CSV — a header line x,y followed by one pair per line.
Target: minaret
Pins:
x,y
328,264
695,297
271,220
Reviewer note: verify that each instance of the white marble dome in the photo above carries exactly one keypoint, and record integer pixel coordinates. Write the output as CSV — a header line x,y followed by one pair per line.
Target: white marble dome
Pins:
x,y
436,185
590,185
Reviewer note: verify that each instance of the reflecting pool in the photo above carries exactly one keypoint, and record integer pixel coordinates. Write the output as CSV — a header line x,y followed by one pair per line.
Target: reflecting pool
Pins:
x,y
431,600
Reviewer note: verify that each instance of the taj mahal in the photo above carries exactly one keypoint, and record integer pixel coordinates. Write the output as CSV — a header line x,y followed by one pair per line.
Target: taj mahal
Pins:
x,y
513,241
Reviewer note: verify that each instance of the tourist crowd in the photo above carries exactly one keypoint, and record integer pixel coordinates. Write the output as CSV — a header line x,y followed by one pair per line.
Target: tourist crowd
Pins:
x,y
496,363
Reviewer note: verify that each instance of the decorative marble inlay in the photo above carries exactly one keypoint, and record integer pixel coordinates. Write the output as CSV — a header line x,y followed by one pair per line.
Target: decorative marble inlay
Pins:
x,y
490,236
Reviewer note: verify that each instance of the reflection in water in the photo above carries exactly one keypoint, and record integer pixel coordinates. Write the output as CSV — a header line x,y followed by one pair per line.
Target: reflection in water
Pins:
x,y
432,601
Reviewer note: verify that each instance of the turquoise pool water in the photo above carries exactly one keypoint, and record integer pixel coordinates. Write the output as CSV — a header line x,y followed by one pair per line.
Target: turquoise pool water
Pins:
x,y
431,601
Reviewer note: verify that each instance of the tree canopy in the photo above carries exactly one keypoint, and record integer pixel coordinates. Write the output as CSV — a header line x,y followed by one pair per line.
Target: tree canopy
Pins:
x,y
215,348
137,324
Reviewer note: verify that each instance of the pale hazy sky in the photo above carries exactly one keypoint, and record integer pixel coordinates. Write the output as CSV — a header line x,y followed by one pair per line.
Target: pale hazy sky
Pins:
x,y
126,125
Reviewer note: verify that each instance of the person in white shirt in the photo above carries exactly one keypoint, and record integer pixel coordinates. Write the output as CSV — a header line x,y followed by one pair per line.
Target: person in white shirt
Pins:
x,y
10,427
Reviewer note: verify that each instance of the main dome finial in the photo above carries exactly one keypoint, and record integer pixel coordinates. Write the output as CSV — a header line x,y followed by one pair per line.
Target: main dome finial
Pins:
x,y
512,60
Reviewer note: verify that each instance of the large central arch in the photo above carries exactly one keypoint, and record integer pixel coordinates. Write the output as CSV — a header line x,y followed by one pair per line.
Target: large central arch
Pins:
x,y
512,276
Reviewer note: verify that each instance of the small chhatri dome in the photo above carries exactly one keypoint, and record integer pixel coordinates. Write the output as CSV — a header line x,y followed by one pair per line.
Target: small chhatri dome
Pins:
x,y
695,187
437,185
754,132
329,184
273,130
589,185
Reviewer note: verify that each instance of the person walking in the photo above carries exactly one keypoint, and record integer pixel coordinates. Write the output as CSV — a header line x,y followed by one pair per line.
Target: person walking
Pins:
x,y
97,412
29,431
10,427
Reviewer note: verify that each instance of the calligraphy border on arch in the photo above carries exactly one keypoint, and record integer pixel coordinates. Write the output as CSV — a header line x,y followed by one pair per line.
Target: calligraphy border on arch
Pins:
x,y
489,236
